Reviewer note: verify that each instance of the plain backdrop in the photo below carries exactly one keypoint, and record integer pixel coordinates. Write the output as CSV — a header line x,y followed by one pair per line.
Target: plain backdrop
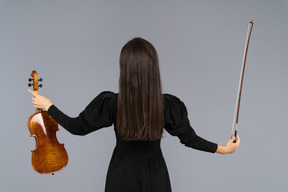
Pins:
x,y
74,45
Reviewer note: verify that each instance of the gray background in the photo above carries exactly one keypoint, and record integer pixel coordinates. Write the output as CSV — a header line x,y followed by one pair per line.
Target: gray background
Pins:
x,y
75,46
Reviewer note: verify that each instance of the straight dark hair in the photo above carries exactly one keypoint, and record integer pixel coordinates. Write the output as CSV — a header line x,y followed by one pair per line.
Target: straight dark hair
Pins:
x,y
140,101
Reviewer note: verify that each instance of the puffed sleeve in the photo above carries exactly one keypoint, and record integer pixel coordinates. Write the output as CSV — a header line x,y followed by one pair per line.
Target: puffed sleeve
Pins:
x,y
177,124
96,115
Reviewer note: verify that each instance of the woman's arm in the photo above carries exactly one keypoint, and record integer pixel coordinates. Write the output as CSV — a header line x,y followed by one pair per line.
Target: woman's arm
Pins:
x,y
230,147
95,116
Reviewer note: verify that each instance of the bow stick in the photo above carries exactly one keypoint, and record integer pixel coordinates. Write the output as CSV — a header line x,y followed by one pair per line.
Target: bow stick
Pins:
x,y
237,106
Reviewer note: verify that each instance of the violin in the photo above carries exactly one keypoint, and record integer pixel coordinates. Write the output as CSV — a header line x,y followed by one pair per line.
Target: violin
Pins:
x,y
49,156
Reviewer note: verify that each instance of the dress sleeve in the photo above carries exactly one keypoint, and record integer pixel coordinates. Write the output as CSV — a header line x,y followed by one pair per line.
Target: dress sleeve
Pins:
x,y
177,124
96,115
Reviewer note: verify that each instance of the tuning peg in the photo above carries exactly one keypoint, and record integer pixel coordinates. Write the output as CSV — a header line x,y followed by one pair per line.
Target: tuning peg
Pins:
x,y
30,79
40,85
30,84
40,79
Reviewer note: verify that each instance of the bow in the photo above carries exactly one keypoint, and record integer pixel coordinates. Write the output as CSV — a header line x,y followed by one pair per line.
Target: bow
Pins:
x,y
237,106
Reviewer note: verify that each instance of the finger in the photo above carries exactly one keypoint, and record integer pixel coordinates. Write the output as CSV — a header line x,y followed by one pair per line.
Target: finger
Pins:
x,y
238,139
32,92
34,100
232,139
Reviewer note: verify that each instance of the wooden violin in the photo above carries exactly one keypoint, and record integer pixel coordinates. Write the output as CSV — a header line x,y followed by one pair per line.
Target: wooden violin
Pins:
x,y
49,156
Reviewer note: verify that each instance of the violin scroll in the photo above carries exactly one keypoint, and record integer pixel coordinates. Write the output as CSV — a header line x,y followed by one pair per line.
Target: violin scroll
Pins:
x,y
35,80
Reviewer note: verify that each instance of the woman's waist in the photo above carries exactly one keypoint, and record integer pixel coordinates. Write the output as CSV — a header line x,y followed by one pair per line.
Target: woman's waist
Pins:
x,y
138,147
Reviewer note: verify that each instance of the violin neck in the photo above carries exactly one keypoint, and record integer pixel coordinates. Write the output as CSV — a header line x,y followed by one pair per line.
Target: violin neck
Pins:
x,y
37,110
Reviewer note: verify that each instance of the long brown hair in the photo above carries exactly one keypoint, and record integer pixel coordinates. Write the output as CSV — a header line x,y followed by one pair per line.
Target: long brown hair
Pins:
x,y
140,102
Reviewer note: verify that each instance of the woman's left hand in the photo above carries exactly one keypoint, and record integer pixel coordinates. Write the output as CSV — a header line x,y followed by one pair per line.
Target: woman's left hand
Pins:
x,y
40,102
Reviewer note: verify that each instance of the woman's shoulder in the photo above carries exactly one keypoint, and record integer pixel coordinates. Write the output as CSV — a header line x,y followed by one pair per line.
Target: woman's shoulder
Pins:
x,y
170,98
107,94
172,101
103,99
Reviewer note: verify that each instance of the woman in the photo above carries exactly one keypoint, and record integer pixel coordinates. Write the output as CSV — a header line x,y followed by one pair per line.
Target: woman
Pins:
x,y
139,112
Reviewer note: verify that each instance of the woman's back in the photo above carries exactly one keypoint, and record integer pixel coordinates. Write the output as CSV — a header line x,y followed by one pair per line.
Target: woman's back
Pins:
x,y
139,113
135,165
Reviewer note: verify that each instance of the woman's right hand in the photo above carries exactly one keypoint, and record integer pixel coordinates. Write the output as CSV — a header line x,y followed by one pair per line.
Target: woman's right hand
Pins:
x,y
230,146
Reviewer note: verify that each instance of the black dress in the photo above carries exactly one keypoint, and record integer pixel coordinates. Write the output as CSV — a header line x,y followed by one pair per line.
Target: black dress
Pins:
x,y
135,166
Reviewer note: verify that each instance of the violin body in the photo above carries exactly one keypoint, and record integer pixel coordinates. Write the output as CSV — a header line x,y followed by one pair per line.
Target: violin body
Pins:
x,y
49,156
